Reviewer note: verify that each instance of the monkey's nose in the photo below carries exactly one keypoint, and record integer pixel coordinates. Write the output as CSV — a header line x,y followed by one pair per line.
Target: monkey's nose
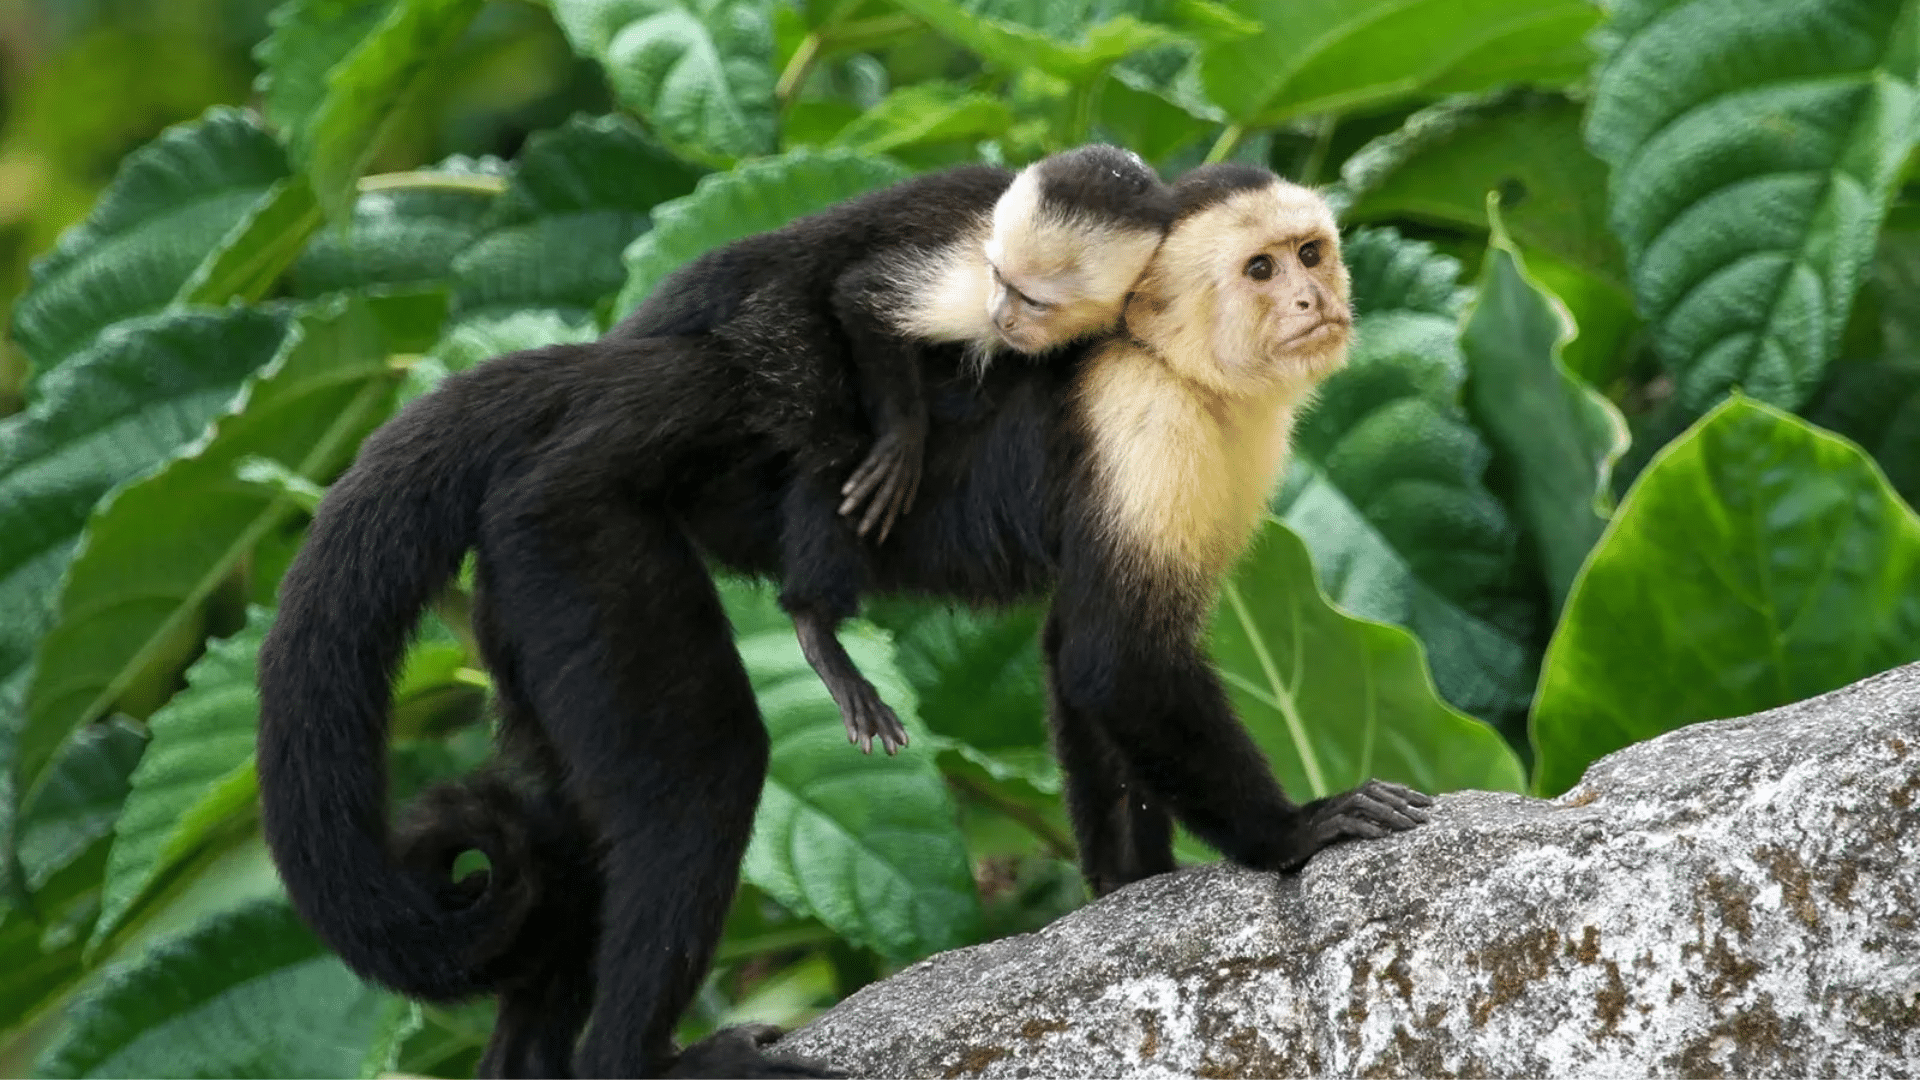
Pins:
x,y
1303,304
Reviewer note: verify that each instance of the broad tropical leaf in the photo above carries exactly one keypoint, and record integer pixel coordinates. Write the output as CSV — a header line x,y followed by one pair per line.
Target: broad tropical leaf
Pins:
x,y
1557,439
753,198
120,407
335,71
155,552
1387,489
405,231
867,845
197,777
1071,41
1321,56
172,200
1754,151
246,993
699,71
1335,700
1757,561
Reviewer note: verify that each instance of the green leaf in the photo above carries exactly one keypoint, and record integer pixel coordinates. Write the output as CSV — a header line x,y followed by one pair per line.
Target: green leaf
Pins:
x,y
1757,561
155,552
1387,486
976,675
85,787
246,263
867,845
334,72
247,993
926,114
196,777
578,196
1556,439
1754,152
1071,41
116,409
755,197
405,231
1332,56
700,72
171,201
1334,700
1877,404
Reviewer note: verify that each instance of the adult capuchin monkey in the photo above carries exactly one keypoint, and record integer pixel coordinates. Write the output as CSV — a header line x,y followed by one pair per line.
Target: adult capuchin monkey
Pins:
x,y
834,311
591,479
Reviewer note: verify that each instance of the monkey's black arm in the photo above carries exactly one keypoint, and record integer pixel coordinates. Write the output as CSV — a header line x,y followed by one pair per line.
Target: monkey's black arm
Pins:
x,y
888,366
1146,686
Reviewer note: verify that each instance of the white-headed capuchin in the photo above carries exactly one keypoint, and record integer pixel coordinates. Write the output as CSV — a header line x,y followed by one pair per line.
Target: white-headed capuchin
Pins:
x,y
594,482
832,312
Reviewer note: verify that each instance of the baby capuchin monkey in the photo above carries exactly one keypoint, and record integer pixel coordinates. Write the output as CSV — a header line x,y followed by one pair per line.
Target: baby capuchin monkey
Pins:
x,y
836,310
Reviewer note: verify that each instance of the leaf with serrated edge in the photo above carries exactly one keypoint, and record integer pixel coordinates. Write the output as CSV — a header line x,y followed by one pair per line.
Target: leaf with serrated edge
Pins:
x,y
1557,438
171,201
754,197
120,407
1334,700
1053,41
699,71
1754,152
249,992
198,774
156,551
868,845
1757,561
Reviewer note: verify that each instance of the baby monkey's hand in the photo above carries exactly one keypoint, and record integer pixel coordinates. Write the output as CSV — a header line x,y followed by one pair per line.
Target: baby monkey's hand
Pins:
x,y
887,480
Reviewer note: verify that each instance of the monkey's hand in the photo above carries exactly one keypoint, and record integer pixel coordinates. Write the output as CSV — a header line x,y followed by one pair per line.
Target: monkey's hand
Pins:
x,y
866,716
1368,812
887,480
739,1051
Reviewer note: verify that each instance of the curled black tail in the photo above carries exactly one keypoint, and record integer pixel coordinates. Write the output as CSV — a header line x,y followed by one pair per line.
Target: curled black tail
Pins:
x,y
388,536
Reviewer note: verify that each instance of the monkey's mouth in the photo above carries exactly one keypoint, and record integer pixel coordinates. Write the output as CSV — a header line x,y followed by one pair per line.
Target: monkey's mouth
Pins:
x,y
1324,332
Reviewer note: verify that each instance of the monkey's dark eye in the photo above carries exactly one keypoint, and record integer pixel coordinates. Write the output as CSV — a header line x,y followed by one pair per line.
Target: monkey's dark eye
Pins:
x,y
1259,268
1310,253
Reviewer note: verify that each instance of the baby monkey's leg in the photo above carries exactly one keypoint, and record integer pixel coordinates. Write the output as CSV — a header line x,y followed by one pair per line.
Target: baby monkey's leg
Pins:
x,y
890,383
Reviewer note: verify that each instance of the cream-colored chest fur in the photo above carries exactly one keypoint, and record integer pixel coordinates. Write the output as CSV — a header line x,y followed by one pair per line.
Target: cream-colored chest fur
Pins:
x,y
1185,473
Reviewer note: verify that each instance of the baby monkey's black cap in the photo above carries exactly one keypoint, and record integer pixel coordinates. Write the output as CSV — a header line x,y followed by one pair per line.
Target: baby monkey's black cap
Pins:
x,y
1102,184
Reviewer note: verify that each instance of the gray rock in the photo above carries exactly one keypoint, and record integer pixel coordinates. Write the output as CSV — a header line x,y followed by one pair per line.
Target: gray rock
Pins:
x,y
1735,898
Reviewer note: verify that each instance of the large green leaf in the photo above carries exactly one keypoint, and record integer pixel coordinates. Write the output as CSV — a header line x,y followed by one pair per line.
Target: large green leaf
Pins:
x,y
335,72
1070,41
1330,56
1757,561
171,201
926,114
1556,439
578,196
154,553
1387,489
197,775
1334,700
1754,151
700,72
1438,167
115,410
86,784
867,845
247,993
1876,403
976,675
251,257
752,198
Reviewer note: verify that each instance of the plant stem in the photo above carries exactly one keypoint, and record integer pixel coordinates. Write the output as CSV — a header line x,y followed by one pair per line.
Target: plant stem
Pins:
x,y
795,937
1226,144
1057,843
798,68
1317,156
428,180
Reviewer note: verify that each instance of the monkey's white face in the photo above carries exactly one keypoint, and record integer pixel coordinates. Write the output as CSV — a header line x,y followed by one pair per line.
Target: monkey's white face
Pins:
x,y
1052,281
1250,293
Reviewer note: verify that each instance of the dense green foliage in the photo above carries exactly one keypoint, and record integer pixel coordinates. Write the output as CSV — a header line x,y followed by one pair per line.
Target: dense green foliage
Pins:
x,y
1623,444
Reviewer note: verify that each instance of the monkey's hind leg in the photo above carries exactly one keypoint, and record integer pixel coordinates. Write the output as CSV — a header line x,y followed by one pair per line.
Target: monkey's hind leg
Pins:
x,y
628,660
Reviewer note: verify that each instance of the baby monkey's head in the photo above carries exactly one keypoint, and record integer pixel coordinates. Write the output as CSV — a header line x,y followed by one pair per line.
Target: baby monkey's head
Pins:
x,y
1069,238
1248,291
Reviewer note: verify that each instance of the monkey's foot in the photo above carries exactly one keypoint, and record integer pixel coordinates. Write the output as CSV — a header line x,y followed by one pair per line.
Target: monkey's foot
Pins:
x,y
885,482
866,716
1368,812
739,1051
